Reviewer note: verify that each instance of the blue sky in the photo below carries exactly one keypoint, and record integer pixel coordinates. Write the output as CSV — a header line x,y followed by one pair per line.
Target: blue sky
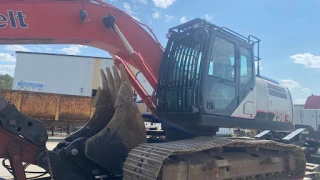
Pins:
x,y
289,33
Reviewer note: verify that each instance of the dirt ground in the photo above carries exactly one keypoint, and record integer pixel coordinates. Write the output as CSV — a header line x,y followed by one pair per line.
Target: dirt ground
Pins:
x,y
52,142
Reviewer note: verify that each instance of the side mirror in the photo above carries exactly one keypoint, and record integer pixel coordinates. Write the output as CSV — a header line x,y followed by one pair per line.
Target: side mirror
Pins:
x,y
200,35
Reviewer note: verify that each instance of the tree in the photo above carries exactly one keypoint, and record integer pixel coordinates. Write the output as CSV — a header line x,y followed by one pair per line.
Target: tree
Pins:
x,y
6,81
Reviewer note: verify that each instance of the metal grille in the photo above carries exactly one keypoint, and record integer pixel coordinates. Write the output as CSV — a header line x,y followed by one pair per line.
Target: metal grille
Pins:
x,y
277,91
179,74
277,94
275,87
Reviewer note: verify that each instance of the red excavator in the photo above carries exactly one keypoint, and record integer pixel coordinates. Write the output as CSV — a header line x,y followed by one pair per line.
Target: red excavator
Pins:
x,y
203,79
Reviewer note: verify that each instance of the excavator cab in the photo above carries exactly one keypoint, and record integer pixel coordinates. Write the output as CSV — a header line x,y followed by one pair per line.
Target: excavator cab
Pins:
x,y
205,73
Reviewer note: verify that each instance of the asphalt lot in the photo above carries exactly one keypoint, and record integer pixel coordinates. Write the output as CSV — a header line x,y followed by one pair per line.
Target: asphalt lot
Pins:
x,y
52,142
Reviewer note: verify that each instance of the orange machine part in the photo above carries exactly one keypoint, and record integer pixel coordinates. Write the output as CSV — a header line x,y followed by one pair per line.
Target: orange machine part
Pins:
x,y
58,22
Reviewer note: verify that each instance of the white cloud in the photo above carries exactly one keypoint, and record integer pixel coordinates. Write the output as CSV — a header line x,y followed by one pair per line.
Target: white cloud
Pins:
x,y
5,57
289,83
129,10
15,48
127,7
300,101
73,49
209,17
183,19
168,18
163,3
305,89
7,69
308,60
156,15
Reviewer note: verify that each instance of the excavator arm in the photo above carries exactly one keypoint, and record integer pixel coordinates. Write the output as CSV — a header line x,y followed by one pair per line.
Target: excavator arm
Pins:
x,y
91,23
77,22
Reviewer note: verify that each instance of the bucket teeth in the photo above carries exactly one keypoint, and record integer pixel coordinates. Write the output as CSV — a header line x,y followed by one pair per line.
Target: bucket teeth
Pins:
x,y
104,109
124,132
117,80
104,79
125,92
111,85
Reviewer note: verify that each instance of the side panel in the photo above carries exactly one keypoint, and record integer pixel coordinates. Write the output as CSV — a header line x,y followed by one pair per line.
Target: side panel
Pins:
x,y
247,107
254,104
268,104
273,103
309,117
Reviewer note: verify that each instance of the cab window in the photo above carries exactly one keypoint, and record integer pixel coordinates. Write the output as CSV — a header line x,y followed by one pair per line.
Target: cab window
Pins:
x,y
246,64
221,63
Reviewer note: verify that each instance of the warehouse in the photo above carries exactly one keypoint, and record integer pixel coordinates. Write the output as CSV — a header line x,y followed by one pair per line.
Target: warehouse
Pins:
x,y
55,73
62,74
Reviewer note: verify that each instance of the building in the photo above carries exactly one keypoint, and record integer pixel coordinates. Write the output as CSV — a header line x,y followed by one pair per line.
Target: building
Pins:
x,y
55,73
62,74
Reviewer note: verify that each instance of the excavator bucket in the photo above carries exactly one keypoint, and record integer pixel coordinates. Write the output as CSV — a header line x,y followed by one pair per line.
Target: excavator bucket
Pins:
x,y
104,105
110,147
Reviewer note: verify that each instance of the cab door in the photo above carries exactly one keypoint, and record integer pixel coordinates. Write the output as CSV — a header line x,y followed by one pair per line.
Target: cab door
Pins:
x,y
246,80
220,88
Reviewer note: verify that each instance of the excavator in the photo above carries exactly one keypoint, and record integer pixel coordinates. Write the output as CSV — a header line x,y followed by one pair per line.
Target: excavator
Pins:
x,y
203,79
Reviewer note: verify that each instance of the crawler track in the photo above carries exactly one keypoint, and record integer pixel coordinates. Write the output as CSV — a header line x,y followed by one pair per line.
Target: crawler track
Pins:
x,y
147,161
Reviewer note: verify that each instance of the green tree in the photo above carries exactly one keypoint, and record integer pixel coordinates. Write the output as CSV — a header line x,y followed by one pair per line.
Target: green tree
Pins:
x,y
6,81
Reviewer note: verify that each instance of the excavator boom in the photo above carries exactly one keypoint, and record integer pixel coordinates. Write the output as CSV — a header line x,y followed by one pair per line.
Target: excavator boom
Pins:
x,y
84,22
63,22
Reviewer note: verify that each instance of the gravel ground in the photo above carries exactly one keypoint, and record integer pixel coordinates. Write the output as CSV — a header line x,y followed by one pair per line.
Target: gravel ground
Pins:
x,y
52,142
